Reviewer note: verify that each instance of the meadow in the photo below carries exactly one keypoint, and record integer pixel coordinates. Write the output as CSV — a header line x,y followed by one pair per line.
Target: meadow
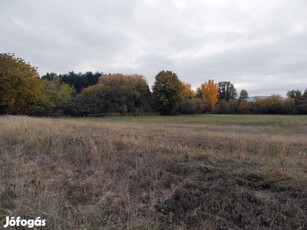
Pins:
x,y
155,172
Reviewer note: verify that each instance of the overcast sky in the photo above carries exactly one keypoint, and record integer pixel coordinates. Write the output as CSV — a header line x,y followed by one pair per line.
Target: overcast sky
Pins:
x,y
258,45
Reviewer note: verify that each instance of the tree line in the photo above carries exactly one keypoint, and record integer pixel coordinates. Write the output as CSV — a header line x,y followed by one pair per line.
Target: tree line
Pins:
x,y
23,91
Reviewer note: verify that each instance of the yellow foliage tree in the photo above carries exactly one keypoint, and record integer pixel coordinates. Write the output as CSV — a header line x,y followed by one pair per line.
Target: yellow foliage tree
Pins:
x,y
209,93
118,93
187,90
21,90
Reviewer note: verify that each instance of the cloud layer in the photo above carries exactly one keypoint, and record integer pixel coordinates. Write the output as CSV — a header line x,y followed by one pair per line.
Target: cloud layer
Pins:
x,y
258,45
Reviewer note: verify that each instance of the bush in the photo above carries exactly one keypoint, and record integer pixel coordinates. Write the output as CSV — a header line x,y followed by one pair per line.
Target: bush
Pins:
x,y
274,104
302,109
222,107
191,106
245,106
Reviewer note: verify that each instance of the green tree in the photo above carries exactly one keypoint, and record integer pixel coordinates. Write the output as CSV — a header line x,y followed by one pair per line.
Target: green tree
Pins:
x,y
21,90
227,90
77,81
223,106
198,93
296,95
57,93
168,92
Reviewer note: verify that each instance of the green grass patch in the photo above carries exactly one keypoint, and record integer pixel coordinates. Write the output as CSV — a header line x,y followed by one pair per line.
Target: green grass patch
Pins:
x,y
275,121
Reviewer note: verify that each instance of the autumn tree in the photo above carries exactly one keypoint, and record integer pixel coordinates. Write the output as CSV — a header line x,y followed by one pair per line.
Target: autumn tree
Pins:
x,y
209,93
275,104
117,93
190,104
168,92
245,106
21,90
187,91
227,90
89,101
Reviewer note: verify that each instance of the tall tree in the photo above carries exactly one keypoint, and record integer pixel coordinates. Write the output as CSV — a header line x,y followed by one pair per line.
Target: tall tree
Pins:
x,y
296,95
301,105
167,91
78,81
50,76
243,94
209,93
227,90
198,93
21,89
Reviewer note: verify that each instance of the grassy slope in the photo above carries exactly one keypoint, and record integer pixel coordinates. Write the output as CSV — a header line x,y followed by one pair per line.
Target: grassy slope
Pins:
x,y
209,171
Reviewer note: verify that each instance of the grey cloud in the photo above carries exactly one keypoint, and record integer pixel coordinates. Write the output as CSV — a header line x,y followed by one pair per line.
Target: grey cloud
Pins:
x,y
258,45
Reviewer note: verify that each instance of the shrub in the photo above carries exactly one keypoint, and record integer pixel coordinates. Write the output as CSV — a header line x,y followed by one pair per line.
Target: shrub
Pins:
x,y
191,106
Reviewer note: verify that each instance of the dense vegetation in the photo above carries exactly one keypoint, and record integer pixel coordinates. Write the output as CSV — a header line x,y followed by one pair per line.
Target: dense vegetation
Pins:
x,y
154,172
22,91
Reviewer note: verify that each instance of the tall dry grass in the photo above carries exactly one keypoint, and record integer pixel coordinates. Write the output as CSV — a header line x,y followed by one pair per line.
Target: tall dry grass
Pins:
x,y
91,175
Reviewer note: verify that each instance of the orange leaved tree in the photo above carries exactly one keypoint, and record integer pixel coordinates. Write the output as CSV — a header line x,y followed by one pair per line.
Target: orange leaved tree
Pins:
x,y
209,93
187,90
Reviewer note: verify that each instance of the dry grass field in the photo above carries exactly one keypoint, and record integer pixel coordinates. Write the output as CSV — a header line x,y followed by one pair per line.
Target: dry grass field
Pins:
x,y
183,172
